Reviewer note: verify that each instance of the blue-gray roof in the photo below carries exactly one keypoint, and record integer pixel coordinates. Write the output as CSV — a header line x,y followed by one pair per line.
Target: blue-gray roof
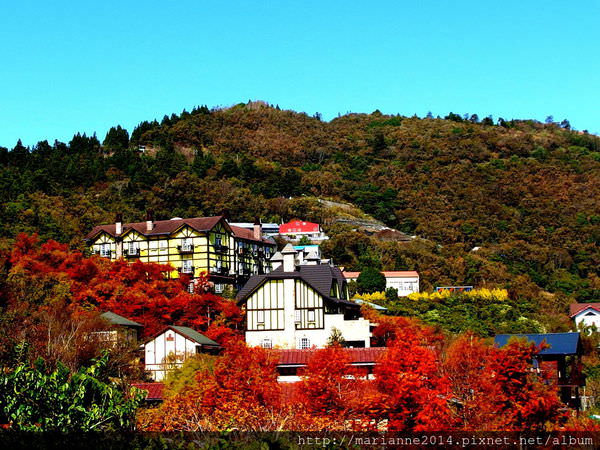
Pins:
x,y
560,343
360,301
116,319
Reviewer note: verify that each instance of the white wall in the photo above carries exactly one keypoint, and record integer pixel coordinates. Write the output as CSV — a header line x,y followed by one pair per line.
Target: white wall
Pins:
x,y
583,317
289,337
160,347
404,285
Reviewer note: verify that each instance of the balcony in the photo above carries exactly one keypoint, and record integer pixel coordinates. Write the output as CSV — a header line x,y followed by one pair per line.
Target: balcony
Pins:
x,y
185,249
186,269
131,253
220,248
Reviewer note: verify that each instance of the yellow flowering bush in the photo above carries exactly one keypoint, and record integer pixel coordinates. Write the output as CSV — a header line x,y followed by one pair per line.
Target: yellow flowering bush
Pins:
x,y
375,297
485,293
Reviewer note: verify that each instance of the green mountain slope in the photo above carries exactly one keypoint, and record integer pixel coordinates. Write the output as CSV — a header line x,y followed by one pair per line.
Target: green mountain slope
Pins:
x,y
526,193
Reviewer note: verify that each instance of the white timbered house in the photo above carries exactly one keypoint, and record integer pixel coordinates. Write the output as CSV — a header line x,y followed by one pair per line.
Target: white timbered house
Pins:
x,y
169,349
299,306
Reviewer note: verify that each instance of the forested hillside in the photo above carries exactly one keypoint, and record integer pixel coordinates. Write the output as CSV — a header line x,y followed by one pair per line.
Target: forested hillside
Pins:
x,y
526,193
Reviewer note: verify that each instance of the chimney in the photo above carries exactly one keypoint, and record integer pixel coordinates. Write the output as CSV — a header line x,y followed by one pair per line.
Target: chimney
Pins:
x,y
119,224
289,258
276,261
149,220
257,229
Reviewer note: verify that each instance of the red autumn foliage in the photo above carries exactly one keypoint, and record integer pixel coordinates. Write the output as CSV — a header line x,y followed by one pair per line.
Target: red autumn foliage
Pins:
x,y
240,392
137,291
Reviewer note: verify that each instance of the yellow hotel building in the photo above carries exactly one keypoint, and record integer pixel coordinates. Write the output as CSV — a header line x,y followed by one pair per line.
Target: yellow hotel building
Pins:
x,y
226,253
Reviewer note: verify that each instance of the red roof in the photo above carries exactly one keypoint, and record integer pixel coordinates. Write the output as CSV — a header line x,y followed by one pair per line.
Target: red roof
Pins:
x,y
388,274
155,390
576,308
299,226
356,355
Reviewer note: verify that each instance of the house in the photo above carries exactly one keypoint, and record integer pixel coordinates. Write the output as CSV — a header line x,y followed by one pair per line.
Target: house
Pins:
x,y
292,361
119,330
299,306
170,347
227,253
561,360
405,282
296,229
587,314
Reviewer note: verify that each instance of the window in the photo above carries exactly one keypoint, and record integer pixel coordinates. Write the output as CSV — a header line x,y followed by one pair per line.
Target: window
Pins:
x,y
304,343
297,316
163,246
186,244
311,315
219,288
105,250
260,316
186,266
191,287
133,248
218,241
266,343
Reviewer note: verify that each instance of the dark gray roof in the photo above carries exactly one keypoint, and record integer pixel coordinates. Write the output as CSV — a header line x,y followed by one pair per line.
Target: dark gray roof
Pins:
x,y
116,319
192,334
560,343
319,277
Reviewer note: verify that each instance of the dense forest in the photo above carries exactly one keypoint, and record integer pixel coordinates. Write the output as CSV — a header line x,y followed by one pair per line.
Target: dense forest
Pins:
x,y
493,203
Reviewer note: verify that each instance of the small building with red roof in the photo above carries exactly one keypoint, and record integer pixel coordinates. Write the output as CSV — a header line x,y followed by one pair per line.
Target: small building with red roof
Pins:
x,y
587,314
405,282
295,229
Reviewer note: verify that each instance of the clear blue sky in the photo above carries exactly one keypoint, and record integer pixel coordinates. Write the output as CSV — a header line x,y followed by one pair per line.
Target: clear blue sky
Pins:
x,y
85,66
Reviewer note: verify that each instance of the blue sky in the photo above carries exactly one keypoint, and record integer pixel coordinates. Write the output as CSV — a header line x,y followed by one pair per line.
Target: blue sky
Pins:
x,y
86,66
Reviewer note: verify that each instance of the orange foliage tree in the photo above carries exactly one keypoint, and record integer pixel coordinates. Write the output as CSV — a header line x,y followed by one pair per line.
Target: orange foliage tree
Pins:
x,y
139,291
240,392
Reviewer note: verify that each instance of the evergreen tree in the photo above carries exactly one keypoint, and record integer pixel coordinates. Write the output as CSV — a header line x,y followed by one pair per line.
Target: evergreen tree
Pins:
x,y
370,280
116,139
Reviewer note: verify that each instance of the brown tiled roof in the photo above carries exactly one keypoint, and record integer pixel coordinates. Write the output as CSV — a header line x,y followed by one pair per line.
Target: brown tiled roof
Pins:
x,y
245,233
576,308
296,357
155,390
161,227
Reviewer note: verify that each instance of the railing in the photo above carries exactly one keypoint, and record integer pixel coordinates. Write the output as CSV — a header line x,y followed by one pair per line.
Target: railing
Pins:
x,y
132,253
220,248
223,270
187,248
